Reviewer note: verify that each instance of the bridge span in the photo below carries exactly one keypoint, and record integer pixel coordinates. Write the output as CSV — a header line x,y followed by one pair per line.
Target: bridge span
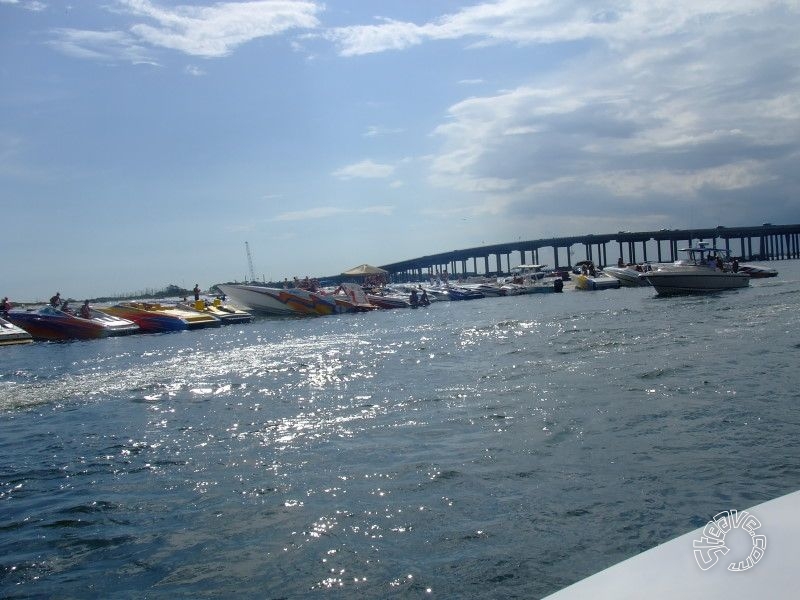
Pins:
x,y
761,242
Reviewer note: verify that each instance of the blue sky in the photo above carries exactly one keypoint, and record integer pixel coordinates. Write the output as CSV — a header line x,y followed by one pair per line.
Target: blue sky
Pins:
x,y
142,143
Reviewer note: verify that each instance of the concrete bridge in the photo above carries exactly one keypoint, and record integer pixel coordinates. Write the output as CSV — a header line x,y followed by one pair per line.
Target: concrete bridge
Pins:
x,y
761,242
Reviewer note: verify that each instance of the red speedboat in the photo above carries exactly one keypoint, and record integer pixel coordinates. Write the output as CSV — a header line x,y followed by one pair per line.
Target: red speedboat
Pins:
x,y
50,323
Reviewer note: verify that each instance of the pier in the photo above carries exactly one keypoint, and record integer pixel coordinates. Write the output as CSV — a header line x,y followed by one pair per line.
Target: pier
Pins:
x,y
763,242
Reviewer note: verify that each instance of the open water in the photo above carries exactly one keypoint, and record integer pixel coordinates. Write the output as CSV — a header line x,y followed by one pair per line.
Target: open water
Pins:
x,y
492,448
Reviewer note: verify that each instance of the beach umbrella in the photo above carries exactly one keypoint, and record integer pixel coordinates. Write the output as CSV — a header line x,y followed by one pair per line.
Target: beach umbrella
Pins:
x,y
363,270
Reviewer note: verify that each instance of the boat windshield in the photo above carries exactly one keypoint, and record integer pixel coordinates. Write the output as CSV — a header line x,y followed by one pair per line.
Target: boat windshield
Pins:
x,y
697,254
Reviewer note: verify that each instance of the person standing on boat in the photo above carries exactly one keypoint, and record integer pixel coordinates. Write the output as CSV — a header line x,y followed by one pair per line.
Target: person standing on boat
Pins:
x,y
55,300
86,311
5,306
196,291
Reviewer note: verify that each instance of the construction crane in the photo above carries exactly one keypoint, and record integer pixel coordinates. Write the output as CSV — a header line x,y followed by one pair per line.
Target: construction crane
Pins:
x,y
250,262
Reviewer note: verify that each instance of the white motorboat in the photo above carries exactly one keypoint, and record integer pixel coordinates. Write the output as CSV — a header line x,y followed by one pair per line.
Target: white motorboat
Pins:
x,y
530,271
628,276
700,273
489,290
596,282
280,302
590,278
519,285
12,334
436,292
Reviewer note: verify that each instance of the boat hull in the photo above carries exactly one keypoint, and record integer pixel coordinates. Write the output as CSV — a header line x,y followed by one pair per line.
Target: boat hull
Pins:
x,y
11,334
697,280
583,282
54,325
388,302
626,277
459,293
672,570
228,315
758,271
154,318
280,302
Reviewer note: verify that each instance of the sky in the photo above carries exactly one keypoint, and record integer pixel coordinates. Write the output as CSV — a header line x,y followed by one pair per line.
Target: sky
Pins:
x,y
144,143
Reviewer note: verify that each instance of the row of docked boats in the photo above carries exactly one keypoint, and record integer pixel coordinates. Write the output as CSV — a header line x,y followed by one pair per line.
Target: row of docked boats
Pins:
x,y
350,297
703,271
123,318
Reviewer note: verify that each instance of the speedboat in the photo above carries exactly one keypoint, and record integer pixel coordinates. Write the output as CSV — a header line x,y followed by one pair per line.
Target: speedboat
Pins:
x,y
155,318
49,323
436,293
462,293
758,271
598,282
226,313
389,300
279,301
514,289
590,278
530,271
350,297
489,290
699,273
11,334
628,276
531,279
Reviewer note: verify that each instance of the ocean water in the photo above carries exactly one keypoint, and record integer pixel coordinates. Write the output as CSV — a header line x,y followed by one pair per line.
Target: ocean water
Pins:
x,y
501,447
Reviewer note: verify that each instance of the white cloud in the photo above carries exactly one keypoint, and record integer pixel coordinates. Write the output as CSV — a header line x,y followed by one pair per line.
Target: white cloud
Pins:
x,y
101,45
377,131
705,110
366,169
544,21
324,212
217,30
208,31
32,5
194,71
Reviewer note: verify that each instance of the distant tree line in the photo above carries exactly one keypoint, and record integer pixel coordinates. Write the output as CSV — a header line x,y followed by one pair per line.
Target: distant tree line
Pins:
x,y
171,291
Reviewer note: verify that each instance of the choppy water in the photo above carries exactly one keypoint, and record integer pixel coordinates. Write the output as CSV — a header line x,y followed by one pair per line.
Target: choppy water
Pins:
x,y
492,448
